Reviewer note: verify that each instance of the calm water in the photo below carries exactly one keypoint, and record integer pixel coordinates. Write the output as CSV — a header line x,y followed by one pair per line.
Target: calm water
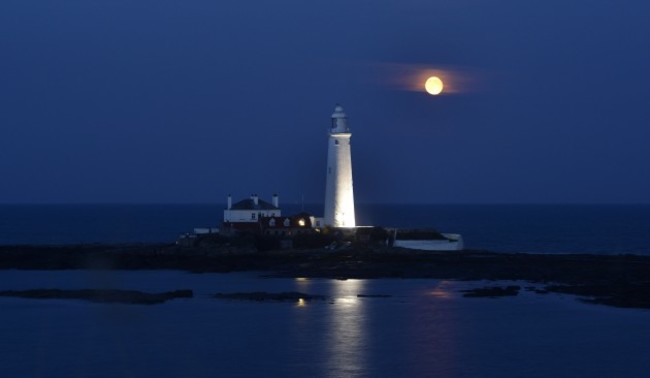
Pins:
x,y
608,229
424,330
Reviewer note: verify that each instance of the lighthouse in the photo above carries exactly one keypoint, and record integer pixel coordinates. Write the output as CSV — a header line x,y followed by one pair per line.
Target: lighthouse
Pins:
x,y
339,197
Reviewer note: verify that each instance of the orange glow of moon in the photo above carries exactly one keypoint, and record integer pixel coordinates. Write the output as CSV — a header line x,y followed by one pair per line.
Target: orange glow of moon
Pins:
x,y
433,85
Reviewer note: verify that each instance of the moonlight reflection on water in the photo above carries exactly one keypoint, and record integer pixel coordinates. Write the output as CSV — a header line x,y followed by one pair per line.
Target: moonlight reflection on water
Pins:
x,y
420,327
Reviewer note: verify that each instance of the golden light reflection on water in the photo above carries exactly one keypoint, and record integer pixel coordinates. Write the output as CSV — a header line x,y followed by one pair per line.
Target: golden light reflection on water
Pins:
x,y
442,290
303,284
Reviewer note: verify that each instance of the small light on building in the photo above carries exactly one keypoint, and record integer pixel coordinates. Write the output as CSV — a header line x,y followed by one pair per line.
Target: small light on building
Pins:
x,y
301,222
301,301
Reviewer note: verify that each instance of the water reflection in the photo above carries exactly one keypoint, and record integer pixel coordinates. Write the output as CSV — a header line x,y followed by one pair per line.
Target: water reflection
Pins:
x,y
442,290
347,336
431,331
302,285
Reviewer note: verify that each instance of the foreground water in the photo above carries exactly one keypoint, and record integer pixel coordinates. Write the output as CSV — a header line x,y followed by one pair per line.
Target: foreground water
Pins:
x,y
606,229
424,329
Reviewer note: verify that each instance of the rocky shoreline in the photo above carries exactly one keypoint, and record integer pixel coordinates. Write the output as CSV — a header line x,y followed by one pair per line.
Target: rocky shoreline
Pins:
x,y
615,280
100,295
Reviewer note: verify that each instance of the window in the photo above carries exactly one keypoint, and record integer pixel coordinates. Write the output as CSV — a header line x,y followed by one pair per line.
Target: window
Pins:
x,y
253,216
336,141
272,222
286,222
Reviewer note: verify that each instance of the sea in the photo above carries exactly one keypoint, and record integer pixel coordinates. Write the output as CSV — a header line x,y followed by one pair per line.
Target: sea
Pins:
x,y
405,328
599,229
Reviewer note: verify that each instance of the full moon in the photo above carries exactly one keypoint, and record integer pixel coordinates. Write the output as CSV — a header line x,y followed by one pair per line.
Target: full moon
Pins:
x,y
433,85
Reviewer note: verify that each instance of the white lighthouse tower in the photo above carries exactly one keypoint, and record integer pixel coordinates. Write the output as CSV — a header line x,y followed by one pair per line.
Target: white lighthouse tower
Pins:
x,y
339,198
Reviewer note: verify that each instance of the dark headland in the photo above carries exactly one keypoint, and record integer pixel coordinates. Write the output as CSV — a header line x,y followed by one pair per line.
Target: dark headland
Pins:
x,y
616,280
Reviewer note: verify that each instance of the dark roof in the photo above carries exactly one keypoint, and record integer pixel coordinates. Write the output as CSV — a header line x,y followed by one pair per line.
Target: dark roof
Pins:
x,y
249,204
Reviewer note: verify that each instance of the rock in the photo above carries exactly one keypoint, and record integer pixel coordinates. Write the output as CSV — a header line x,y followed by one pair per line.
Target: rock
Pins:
x,y
373,296
100,295
260,296
618,294
492,292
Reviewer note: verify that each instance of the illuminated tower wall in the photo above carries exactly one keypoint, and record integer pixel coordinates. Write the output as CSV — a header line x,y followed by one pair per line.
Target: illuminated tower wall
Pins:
x,y
339,197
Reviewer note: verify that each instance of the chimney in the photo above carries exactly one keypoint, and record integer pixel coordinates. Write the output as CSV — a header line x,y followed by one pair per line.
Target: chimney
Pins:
x,y
255,199
276,200
229,201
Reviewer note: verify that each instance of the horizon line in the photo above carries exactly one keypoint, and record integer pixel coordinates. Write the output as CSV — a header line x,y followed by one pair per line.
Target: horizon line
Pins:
x,y
322,203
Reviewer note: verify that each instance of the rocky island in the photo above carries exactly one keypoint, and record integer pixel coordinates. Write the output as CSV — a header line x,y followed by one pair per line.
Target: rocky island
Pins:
x,y
617,280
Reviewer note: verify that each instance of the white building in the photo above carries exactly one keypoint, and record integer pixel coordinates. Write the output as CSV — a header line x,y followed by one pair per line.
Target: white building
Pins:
x,y
339,197
250,210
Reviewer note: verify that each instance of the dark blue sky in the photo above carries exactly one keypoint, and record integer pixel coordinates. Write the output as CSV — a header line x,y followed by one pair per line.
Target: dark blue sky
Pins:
x,y
186,101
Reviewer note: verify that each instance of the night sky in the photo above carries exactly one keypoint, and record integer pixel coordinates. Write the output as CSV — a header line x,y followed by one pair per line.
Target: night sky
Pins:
x,y
170,101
